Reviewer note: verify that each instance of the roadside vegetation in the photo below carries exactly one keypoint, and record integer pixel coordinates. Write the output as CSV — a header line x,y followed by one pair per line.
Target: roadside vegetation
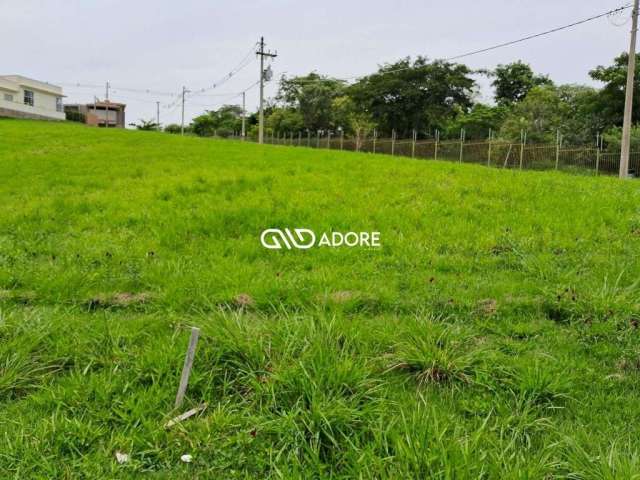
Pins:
x,y
439,98
493,335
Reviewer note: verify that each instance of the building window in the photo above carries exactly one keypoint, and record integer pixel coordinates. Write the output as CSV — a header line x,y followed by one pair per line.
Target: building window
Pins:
x,y
28,97
8,97
59,107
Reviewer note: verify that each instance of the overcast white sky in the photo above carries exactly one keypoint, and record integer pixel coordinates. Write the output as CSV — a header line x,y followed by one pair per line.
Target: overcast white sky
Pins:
x,y
162,44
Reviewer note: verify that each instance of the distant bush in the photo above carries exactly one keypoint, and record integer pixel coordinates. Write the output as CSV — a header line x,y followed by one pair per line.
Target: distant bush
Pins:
x,y
73,116
172,128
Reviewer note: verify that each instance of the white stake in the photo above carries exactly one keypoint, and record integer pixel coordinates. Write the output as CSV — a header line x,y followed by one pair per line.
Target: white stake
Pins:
x,y
188,363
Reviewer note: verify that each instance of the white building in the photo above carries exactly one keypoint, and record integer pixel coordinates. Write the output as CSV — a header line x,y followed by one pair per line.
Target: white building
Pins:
x,y
22,97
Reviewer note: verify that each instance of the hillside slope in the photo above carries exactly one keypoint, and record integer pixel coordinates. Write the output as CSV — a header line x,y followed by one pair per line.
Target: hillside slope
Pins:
x,y
498,317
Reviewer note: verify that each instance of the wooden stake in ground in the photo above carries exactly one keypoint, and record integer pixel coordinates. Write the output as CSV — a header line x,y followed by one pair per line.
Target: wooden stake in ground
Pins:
x,y
188,363
185,415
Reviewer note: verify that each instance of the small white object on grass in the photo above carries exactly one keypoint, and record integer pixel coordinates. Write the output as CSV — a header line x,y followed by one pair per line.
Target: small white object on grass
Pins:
x,y
122,457
186,458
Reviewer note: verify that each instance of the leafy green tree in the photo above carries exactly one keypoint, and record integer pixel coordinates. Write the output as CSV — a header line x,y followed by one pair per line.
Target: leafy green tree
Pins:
x,y
513,81
418,94
284,120
478,121
547,109
312,97
350,119
613,138
583,120
541,113
611,97
224,121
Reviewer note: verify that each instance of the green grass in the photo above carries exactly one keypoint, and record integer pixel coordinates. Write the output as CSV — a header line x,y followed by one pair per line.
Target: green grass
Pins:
x,y
494,334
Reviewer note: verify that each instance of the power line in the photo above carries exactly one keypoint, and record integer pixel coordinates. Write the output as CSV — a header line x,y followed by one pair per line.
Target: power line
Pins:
x,y
246,60
541,34
483,50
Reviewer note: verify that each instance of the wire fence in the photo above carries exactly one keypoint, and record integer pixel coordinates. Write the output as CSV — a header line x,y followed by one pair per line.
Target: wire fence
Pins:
x,y
494,153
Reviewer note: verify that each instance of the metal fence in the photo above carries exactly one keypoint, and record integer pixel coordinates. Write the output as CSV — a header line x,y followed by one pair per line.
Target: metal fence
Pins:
x,y
495,153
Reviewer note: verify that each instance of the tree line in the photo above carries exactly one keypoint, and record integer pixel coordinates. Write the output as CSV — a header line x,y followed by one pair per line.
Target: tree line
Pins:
x,y
428,96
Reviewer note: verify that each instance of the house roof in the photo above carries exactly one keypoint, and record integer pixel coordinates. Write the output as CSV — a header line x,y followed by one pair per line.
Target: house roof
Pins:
x,y
13,82
99,103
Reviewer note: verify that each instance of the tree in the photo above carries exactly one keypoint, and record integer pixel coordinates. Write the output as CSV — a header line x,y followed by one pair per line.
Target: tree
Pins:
x,y
478,121
419,94
284,120
513,81
613,139
541,113
312,97
611,99
351,120
224,121
584,119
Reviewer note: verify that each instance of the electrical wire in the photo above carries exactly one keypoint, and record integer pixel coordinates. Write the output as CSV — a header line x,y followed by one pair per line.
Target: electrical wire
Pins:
x,y
246,60
537,35
483,50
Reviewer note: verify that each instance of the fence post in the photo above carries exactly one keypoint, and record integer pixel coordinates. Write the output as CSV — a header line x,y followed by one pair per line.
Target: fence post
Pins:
x,y
489,153
393,141
299,138
413,144
523,140
598,143
375,137
328,138
318,139
557,148
435,153
341,139
462,134
308,138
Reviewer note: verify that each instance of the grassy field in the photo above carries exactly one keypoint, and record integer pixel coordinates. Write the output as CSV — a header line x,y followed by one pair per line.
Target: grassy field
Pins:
x,y
494,334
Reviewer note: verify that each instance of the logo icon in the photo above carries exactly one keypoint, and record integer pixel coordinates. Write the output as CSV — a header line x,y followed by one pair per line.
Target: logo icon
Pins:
x,y
276,239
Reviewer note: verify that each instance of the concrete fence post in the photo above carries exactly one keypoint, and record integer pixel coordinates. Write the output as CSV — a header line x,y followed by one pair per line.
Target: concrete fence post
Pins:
x,y
523,141
393,141
413,144
598,146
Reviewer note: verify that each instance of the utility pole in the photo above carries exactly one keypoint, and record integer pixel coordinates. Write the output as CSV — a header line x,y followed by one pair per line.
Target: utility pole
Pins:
x,y
628,103
262,54
243,113
158,115
184,91
106,123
